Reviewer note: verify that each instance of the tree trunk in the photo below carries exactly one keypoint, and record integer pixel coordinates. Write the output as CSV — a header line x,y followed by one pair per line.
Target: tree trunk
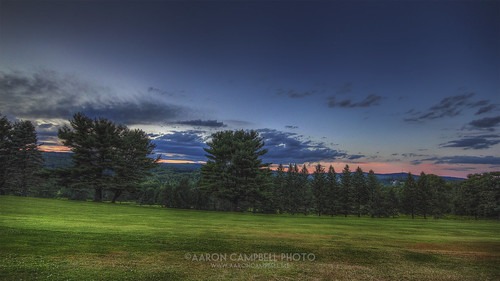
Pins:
x,y
98,194
118,192
412,215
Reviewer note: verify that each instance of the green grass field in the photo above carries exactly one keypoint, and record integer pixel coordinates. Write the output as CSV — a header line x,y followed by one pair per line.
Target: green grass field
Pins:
x,y
48,239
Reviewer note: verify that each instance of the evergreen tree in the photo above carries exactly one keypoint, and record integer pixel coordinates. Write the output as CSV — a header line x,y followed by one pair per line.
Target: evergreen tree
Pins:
x,y
391,202
375,203
280,189
440,196
131,162
332,191
234,171
105,156
292,195
360,194
345,191
320,190
25,159
409,196
304,194
424,195
5,152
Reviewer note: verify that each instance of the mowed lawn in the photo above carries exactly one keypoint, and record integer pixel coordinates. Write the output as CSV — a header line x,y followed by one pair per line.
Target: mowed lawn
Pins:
x,y
49,239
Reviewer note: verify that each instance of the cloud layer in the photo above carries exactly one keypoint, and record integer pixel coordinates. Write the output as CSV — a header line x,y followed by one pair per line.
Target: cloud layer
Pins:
x,y
370,100
47,94
475,142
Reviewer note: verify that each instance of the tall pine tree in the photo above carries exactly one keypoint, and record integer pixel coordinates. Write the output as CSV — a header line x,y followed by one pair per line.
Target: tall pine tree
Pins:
x,y
234,171
345,191
332,191
26,159
320,190
410,196
360,194
105,156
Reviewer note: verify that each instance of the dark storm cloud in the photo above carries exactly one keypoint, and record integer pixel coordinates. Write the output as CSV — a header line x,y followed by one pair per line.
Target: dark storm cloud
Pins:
x,y
488,160
294,94
450,107
202,123
187,144
475,142
284,147
485,123
370,100
47,94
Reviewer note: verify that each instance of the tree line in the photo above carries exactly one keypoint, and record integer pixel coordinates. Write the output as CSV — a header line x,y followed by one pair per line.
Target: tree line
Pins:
x,y
110,161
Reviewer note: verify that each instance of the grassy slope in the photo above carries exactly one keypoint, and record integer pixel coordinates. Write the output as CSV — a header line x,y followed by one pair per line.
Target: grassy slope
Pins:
x,y
54,239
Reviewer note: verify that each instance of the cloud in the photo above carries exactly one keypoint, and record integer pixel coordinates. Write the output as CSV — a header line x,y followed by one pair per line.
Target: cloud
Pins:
x,y
186,145
345,89
370,100
294,94
487,160
136,112
285,147
291,127
476,142
485,109
485,123
49,95
202,123
450,107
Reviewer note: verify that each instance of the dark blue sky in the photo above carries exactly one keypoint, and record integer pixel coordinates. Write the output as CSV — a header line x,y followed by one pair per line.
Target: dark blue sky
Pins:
x,y
390,86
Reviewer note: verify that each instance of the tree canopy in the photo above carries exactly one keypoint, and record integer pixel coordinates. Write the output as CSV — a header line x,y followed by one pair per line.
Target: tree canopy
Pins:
x,y
106,156
234,170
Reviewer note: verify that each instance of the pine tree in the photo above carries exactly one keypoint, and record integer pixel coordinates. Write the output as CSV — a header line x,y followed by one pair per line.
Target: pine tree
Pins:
x,y
279,189
391,202
345,191
292,194
360,195
105,156
320,190
332,191
424,195
5,152
375,196
409,196
26,159
440,196
131,160
234,171
304,194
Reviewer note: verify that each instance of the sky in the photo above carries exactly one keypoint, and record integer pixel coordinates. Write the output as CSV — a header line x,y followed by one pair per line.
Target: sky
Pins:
x,y
393,86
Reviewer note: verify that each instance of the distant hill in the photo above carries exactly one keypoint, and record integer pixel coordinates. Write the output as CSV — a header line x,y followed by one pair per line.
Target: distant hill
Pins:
x,y
63,159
